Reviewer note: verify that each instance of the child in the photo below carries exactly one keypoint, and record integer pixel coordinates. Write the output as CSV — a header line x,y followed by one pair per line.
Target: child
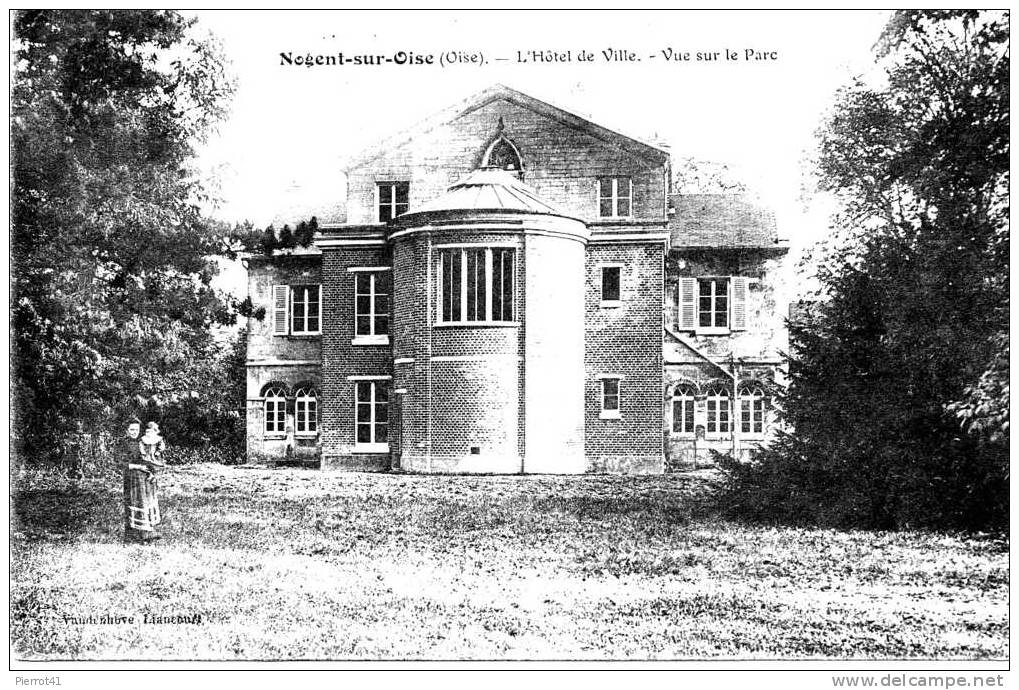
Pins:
x,y
152,447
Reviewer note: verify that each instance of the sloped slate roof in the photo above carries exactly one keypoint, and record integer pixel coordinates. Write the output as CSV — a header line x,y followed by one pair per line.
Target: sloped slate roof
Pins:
x,y
489,189
480,99
721,220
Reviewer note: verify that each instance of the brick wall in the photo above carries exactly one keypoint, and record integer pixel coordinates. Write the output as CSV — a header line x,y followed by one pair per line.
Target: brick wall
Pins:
x,y
341,358
626,341
562,163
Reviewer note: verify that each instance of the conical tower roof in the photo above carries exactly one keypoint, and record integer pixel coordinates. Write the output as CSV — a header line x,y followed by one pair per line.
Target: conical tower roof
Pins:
x,y
491,189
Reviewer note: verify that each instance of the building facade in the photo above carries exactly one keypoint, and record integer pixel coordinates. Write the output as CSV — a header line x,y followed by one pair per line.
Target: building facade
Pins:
x,y
514,289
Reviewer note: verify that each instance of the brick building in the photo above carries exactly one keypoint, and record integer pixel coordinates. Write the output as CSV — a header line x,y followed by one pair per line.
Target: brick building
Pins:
x,y
514,289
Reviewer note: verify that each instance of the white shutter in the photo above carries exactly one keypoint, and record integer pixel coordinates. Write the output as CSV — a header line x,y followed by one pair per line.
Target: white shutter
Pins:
x,y
739,304
280,294
687,304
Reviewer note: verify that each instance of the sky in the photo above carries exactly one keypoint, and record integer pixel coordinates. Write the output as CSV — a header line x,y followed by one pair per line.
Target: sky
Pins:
x,y
281,150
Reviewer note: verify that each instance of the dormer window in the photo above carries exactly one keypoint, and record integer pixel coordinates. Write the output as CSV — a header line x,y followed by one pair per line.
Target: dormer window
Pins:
x,y
393,199
615,195
502,154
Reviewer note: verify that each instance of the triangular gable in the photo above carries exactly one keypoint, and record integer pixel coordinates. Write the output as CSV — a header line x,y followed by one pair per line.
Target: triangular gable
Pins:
x,y
626,143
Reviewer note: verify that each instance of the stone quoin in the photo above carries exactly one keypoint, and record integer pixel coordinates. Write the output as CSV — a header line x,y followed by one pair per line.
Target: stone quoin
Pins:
x,y
512,288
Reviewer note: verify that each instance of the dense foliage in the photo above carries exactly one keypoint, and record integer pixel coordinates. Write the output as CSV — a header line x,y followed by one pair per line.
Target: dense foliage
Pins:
x,y
113,260
898,401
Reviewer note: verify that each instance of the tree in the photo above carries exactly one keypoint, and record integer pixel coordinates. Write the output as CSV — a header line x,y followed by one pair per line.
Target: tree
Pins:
x,y
111,294
898,396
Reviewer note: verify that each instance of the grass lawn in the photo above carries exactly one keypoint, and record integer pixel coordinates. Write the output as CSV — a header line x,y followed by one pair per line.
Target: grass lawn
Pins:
x,y
299,564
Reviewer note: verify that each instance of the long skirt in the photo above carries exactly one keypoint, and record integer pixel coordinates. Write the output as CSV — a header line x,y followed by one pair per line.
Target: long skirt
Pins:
x,y
141,505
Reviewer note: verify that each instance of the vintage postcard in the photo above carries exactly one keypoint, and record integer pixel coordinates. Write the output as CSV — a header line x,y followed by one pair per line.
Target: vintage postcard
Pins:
x,y
555,338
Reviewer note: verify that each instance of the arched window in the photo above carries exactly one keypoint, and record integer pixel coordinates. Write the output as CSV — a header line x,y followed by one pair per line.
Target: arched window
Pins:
x,y
683,410
718,411
752,406
275,406
306,411
502,154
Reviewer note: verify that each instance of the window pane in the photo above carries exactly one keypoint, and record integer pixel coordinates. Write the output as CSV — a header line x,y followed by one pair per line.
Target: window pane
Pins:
x,y
623,188
402,193
704,287
364,433
475,285
623,207
364,412
677,416
610,283
381,433
605,207
362,282
364,391
605,189
381,412
381,392
689,416
451,285
381,304
313,322
363,305
385,212
381,325
502,296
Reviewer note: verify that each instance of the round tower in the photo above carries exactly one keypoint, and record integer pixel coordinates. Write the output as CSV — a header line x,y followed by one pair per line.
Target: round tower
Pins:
x,y
488,331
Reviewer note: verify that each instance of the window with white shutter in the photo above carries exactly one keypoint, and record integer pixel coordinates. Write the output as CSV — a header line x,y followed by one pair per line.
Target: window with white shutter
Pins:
x,y
280,304
687,304
712,305
739,303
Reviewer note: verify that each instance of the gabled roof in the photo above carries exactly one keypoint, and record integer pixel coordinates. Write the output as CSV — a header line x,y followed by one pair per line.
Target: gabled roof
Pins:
x,y
721,220
489,189
497,92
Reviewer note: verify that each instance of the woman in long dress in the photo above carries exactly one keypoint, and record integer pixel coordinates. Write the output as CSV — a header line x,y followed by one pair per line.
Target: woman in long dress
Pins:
x,y
141,505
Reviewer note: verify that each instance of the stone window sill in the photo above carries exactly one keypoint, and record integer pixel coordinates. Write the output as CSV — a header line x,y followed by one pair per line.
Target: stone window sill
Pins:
x,y
610,414
370,340
611,304
478,324
371,448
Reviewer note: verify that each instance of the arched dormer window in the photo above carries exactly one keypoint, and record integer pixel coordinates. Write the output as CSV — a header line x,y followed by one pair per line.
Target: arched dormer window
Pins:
x,y
753,405
274,404
306,411
504,155
683,410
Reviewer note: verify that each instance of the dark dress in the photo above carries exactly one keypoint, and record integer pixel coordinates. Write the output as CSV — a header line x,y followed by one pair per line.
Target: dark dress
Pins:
x,y
141,506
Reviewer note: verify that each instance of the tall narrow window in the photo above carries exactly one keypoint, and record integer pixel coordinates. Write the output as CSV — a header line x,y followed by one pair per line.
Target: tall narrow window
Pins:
x,y
305,309
610,279
371,416
752,406
614,197
306,411
713,302
683,410
610,399
274,406
475,264
502,285
476,285
393,198
718,411
371,304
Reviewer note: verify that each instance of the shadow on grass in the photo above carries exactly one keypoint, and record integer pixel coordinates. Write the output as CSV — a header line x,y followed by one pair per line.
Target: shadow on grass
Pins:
x,y
67,511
